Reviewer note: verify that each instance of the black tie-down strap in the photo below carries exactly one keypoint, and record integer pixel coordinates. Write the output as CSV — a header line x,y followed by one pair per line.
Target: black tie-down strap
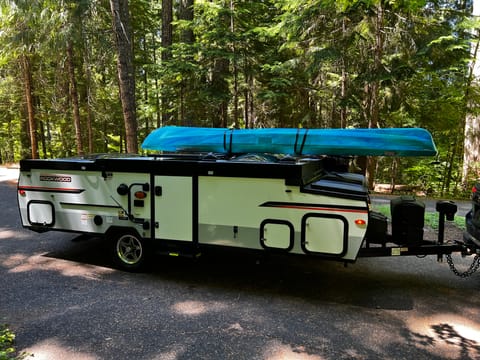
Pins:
x,y
300,140
227,141
298,148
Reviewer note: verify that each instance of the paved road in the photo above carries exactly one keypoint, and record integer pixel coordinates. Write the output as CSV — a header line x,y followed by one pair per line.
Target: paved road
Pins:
x,y
64,301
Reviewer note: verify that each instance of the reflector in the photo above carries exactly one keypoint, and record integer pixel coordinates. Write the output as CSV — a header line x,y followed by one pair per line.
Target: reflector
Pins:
x,y
140,195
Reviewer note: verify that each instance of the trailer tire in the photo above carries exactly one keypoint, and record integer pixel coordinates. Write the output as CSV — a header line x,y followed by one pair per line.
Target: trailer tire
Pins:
x,y
129,250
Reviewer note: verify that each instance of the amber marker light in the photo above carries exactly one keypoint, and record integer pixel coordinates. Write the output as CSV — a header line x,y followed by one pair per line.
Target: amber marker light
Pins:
x,y
360,222
140,195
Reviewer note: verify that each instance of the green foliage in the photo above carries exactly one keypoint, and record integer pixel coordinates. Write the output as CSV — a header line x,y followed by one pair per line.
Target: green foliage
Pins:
x,y
431,218
315,63
383,209
6,343
7,348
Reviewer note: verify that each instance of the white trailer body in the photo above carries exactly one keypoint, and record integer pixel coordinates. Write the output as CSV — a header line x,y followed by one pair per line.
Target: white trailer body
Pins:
x,y
183,203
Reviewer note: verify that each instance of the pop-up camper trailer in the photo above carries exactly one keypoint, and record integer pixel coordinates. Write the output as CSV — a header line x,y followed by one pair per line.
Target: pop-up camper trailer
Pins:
x,y
231,188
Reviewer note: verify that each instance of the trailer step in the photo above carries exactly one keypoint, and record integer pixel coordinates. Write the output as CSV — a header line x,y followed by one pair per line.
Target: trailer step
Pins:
x,y
183,254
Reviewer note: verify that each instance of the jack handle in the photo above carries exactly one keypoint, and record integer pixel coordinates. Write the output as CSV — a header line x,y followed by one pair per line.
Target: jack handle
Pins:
x,y
446,210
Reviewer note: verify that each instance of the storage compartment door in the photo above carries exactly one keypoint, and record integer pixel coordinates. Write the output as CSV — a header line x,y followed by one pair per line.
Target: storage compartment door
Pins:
x,y
325,234
174,208
41,213
277,235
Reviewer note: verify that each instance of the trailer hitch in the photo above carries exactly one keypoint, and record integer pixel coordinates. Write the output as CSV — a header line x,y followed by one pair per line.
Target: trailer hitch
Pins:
x,y
446,210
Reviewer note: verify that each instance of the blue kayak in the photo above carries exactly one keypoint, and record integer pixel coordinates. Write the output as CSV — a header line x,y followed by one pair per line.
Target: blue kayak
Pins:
x,y
344,142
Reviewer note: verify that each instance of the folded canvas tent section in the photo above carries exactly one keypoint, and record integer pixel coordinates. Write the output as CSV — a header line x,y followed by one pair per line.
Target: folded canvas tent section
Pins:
x,y
344,142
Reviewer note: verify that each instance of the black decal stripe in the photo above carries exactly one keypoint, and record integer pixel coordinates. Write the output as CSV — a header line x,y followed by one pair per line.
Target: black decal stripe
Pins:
x,y
314,207
153,226
51,189
195,215
90,205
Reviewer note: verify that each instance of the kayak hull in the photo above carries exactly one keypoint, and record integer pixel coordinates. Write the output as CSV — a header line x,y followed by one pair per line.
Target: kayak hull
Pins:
x,y
342,142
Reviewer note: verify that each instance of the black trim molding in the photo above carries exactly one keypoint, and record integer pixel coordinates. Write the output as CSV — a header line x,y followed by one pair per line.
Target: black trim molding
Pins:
x,y
90,205
314,207
51,189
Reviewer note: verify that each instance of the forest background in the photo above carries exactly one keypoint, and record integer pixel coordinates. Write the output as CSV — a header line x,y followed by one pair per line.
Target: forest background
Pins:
x,y
92,76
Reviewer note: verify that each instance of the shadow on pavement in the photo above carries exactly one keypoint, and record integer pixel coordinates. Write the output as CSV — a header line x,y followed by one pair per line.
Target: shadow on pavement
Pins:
x,y
370,283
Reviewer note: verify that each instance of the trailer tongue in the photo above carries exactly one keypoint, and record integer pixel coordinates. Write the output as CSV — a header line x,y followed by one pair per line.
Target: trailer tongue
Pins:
x,y
181,204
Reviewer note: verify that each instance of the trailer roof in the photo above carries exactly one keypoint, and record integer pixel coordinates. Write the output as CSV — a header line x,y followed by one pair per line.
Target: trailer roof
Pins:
x,y
296,171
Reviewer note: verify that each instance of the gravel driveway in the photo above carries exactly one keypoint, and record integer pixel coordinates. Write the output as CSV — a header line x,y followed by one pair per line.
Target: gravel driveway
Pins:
x,y
62,298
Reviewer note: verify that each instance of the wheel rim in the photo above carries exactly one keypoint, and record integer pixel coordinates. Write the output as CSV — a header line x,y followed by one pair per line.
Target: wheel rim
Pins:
x,y
129,249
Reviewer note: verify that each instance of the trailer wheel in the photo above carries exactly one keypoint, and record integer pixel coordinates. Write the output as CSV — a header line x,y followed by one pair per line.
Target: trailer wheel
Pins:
x,y
129,251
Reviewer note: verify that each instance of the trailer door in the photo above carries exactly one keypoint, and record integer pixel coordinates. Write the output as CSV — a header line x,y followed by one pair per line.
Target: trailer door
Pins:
x,y
173,208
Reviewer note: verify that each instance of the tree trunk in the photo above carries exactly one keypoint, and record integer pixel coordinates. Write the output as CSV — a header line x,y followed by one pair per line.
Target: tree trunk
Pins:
x,y
157,88
145,79
343,83
220,86
235,67
471,147
374,107
187,115
43,141
471,150
89,96
75,103
167,30
91,147
167,41
125,69
250,115
28,83
186,13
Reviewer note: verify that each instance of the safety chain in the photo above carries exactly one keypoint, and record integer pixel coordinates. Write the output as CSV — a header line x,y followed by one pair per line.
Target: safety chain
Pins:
x,y
472,269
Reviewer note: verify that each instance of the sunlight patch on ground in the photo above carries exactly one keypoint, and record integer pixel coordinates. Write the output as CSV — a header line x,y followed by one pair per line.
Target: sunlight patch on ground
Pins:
x,y
236,327
7,234
11,234
8,174
18,263
275,350
195,308
172,354
13,260
447,335
53,349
